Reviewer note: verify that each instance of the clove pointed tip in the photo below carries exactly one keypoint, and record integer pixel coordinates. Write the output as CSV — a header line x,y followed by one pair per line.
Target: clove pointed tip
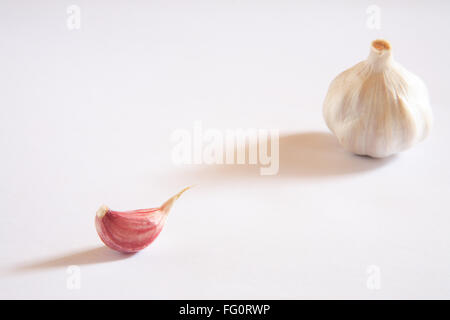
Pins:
x,y
169,203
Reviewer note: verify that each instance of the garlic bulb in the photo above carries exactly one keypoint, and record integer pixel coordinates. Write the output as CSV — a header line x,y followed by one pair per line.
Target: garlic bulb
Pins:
x,y
377,107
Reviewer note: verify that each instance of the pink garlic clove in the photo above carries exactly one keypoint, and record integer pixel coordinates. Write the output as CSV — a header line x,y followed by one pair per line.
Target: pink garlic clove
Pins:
x,y
132,231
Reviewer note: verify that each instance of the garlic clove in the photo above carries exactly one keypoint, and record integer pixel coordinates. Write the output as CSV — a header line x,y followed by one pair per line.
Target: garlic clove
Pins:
x,y
377,107
132,231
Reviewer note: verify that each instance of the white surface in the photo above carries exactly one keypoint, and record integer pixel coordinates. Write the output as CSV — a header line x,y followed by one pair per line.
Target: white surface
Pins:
x,y
86,118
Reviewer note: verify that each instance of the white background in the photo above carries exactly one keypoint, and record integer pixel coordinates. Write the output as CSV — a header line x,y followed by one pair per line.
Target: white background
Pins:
x,y
86,118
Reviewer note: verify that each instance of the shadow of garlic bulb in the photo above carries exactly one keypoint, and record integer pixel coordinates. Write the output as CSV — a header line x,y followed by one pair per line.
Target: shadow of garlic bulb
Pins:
x,y
378,108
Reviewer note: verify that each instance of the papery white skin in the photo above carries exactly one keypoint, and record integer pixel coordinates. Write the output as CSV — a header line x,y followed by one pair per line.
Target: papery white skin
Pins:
x,y
378,108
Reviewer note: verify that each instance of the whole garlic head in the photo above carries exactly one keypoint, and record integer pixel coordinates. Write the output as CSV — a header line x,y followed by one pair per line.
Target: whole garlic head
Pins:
x,y
378,108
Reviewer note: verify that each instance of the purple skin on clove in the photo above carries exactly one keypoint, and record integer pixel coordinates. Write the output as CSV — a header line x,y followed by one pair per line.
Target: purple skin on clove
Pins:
x,y
132,231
